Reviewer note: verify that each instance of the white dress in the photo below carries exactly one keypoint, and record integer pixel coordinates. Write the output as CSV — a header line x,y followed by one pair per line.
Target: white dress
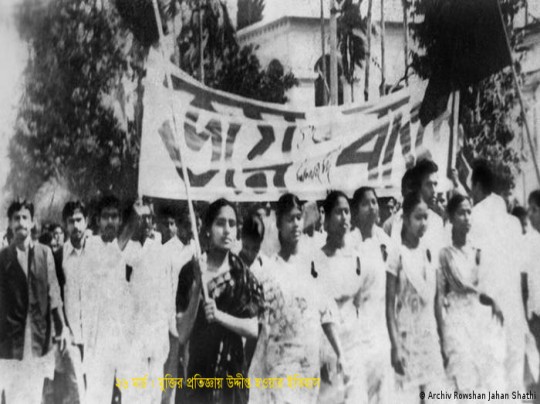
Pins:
x,y
290,338
415,315
472,338
374,339
340,276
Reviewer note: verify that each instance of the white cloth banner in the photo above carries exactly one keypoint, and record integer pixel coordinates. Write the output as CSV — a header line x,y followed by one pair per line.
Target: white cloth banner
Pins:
x,y
245,150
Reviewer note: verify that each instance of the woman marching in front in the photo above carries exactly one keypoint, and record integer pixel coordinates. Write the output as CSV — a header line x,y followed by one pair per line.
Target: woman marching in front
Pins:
x,y
338,270
215,328
472,327
295,309
374,246
412,317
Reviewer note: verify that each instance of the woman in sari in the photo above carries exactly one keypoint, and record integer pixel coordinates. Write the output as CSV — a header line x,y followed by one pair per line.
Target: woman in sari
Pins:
x,y
413,318
215,328
338,272
373,246
473,338
295,310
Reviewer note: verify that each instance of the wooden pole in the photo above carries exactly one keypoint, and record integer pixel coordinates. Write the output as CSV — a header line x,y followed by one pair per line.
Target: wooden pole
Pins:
x,y
368,51
323,60
454,133
201,49
333,55
187,184
520,96
406,40
383,54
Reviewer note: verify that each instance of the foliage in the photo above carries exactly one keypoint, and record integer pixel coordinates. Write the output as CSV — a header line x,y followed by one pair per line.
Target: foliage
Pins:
x,y
227,66
241,74
249,12
84,75
64,128
489,109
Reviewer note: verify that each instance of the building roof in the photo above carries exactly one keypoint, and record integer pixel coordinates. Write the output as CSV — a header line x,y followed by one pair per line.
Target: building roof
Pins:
x,y
275,9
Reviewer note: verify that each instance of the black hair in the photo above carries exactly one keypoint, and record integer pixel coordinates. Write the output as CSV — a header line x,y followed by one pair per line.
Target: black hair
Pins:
x,y
71,207
454,202
213,211
407,182
54,226
411,201
534,197
285,204
331,201
166,212
45,238
520,212
108,201
253,228
18,205
359,195
420,171
483,174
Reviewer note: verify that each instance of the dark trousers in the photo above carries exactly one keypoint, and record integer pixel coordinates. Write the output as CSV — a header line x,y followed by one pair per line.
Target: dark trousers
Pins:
x,y
534,326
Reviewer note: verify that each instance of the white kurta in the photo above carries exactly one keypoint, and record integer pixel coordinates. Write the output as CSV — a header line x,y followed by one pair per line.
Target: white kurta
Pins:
x,y
110,306
497,234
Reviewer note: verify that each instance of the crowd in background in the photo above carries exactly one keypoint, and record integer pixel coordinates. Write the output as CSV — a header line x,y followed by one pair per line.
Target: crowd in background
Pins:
x,y
378,300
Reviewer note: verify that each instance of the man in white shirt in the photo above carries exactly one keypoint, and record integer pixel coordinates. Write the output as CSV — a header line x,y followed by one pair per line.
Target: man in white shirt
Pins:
x,y
150,287
497,235
106,352
176,255
532,266
74,272
29,299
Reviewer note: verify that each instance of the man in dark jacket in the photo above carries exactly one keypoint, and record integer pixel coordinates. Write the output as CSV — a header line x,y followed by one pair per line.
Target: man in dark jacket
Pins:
x,y
30,305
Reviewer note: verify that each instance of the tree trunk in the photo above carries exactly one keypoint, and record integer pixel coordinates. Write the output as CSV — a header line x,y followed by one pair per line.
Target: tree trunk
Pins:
x,y
406,40
368,51
334,86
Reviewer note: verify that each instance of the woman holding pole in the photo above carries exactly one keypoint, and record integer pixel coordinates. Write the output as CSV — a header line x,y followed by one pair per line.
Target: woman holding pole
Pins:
x,y
296,309
215,327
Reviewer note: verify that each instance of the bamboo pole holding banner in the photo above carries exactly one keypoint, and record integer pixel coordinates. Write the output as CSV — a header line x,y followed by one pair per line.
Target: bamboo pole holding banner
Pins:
x,y
187,184
520,94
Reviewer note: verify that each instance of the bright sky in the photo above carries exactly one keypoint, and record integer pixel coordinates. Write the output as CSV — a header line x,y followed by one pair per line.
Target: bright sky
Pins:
x,y
13,53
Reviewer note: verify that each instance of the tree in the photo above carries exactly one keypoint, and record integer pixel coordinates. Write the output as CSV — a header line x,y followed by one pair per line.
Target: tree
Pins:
x,y
489,112
85,74
249,12
351,32
227,66
65,129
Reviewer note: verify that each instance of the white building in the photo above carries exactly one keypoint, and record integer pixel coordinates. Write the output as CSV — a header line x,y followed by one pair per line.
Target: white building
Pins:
x,y
291,32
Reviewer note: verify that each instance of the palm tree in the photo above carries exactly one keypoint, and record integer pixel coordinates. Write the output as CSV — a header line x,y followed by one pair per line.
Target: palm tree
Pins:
x,y
351,33
249,12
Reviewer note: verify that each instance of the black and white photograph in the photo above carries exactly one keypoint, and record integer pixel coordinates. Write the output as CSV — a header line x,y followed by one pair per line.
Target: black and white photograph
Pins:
x,y
269,201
